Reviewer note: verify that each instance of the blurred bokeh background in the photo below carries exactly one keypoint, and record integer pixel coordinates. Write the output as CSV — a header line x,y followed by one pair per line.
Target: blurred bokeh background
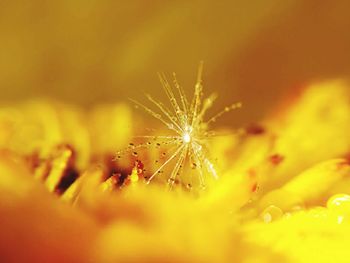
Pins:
x,y
95,51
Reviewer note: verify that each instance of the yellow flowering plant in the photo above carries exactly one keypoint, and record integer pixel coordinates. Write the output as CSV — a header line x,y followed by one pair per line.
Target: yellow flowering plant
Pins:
x,y
282,193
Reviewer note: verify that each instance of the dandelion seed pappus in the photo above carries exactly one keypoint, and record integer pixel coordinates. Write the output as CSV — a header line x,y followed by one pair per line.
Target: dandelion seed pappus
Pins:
x,y
182,155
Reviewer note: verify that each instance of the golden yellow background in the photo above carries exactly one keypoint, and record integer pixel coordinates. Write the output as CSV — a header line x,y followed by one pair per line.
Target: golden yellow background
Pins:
x,y
283,193
92,51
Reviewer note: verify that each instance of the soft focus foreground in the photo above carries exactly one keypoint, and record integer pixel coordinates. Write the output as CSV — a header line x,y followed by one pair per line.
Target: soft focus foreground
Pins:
x,y
282,196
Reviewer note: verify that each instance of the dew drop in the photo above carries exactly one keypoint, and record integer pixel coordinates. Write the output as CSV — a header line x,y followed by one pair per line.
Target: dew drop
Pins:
x,y
271,213
340,204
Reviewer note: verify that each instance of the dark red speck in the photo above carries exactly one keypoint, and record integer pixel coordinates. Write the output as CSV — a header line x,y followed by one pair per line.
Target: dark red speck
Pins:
x,y
255,129
276,159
